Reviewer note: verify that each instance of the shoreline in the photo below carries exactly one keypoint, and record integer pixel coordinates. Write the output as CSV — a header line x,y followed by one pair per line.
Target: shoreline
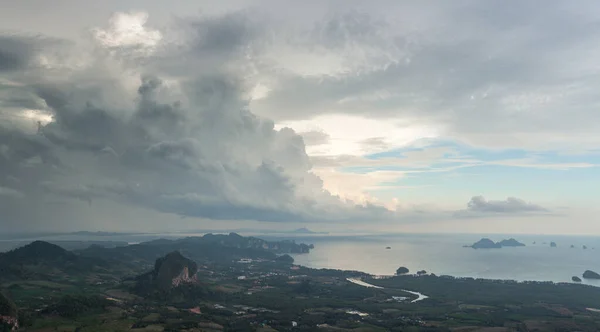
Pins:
x,y
360,282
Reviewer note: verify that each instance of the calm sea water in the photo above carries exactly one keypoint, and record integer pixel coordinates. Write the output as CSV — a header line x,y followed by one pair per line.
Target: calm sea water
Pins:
x,y
444,254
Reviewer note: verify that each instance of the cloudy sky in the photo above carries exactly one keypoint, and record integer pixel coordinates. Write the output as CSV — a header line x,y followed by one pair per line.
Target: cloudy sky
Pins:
x,y
419,116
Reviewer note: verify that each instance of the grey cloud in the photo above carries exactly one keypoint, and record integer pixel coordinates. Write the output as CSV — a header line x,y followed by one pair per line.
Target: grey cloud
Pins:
x,y
21,52
192,148
9,192
224,34
479,206
471,64
15,53
315,137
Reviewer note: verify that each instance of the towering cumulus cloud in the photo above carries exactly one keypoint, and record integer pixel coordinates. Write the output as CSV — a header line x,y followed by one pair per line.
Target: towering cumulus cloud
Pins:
x,y
152,119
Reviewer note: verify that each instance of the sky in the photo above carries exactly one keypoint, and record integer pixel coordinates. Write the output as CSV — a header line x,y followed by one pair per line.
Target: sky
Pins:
x,y
389,116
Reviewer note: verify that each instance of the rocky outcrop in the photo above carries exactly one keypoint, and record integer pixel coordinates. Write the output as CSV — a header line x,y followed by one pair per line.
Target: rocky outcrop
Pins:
x,y
511,243
170,271
553,244
591,275
173,270
485,243
184,277
576,279
8,313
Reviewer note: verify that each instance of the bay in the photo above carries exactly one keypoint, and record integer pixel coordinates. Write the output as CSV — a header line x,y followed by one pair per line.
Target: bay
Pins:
x,y
444,254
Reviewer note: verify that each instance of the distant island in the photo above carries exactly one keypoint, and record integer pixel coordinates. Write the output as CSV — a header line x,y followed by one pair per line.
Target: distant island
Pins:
x,y
305,230
511,243
553,244
591,275
486,243
98,233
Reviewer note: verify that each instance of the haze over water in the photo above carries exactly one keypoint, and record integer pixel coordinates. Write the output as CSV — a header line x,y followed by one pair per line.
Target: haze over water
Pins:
x,y
444,254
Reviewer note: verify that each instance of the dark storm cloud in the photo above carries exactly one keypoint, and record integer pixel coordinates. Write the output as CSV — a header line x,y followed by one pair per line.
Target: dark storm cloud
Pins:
x,y
15,53
480,70
20,52
192,148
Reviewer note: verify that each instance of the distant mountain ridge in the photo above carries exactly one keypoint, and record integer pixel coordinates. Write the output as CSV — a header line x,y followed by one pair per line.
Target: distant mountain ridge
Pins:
x,y
45,261
35,259
238,241
305,230
207,249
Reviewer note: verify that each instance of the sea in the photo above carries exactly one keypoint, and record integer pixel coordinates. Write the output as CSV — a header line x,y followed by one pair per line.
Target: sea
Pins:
x,y
442,254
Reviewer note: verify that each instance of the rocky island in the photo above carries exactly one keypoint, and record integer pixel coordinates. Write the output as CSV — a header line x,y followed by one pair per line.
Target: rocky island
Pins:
x,y
486,243
511,243
591,275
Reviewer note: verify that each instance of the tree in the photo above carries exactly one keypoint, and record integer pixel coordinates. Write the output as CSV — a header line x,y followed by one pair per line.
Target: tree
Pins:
x,y
402,270
305,287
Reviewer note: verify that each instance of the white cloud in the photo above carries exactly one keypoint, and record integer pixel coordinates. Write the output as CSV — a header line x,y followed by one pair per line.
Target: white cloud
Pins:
x,y
128,30
347,133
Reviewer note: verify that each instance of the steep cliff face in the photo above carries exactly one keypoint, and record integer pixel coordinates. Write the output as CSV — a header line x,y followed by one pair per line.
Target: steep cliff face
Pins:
x,y
184,278
8,313
173,270
170,271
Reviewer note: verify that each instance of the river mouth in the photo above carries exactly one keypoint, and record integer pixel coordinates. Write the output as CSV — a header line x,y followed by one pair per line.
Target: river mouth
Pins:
x,y
359,282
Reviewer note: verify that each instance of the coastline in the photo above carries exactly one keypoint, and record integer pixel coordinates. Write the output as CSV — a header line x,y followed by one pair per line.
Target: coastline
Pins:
x,y
446,256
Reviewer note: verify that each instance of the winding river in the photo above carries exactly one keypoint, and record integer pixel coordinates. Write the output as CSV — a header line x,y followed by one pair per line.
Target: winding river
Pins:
x,y
359,282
